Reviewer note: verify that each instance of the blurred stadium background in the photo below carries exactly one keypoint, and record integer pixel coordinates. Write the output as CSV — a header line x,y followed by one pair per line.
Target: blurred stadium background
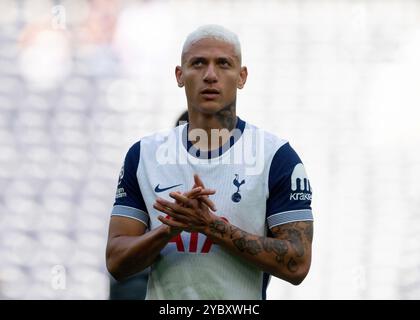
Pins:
x,y
81,81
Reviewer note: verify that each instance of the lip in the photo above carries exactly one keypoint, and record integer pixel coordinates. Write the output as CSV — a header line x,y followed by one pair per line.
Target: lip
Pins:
x,y
210,93
210,96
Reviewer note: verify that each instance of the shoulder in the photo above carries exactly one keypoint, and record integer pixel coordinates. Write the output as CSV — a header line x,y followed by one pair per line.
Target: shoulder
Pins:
x,y
271,143
279,153
160,137
151,141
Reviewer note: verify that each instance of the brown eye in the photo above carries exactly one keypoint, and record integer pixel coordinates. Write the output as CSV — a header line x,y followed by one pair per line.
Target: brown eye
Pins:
x,y
224,63
197,63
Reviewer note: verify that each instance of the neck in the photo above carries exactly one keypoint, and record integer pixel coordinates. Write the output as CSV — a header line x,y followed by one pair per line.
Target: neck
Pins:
x,y
217,127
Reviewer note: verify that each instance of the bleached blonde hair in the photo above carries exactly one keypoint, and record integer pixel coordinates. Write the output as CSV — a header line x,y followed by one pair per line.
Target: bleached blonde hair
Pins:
x,y
212,31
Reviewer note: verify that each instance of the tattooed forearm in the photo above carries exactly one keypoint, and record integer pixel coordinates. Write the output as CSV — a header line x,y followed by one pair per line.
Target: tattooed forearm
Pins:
x,y
295,238
285,253
244,243
235,232
292,265
218,227
250,246
299,234
279,247
309,232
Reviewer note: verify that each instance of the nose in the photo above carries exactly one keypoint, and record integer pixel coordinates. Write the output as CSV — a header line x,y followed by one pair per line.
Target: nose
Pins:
x,y
210,76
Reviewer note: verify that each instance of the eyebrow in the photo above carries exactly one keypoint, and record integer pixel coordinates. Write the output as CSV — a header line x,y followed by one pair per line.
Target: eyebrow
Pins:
x,y
195,58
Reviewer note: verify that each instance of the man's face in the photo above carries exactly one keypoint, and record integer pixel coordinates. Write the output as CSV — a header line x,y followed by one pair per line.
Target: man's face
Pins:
x,y
211,73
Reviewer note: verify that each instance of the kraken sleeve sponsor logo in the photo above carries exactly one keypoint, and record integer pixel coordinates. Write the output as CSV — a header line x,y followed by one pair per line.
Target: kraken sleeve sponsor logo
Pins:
x,y
300,183
300,196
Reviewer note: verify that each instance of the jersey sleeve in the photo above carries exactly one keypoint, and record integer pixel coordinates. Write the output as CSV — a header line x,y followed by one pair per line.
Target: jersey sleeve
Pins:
x,y
290,193
129,201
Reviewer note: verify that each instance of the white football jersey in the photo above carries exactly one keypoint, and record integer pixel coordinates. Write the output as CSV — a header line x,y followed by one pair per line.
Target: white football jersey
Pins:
x,y
260,183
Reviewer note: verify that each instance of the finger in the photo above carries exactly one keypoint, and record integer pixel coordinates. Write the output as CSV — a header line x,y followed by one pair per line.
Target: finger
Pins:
x,y
164,210
187,202
182,199
208,203
207,192
172,223
181,208
179,192
203,192
204,195
170,213
175,224
198,181
193,192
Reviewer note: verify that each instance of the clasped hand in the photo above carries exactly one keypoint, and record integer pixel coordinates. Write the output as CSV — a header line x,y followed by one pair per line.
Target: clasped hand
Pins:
x,y
191,211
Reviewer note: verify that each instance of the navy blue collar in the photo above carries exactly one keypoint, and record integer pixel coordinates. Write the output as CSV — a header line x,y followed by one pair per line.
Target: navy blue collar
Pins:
x,y
240,125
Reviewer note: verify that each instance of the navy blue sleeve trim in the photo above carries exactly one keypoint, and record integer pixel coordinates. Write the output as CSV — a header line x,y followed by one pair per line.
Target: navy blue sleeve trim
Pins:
x,y
132,213
128,193
290,193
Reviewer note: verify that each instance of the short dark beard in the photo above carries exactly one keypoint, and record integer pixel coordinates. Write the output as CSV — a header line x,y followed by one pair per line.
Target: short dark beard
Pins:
x,y
226,116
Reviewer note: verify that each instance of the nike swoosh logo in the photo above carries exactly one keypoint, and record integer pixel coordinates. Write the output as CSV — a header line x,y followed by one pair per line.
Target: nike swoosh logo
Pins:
x,y
157,189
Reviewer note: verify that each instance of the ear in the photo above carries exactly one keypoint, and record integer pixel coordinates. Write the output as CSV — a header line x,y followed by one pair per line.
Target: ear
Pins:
x,y
179,76
243,75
